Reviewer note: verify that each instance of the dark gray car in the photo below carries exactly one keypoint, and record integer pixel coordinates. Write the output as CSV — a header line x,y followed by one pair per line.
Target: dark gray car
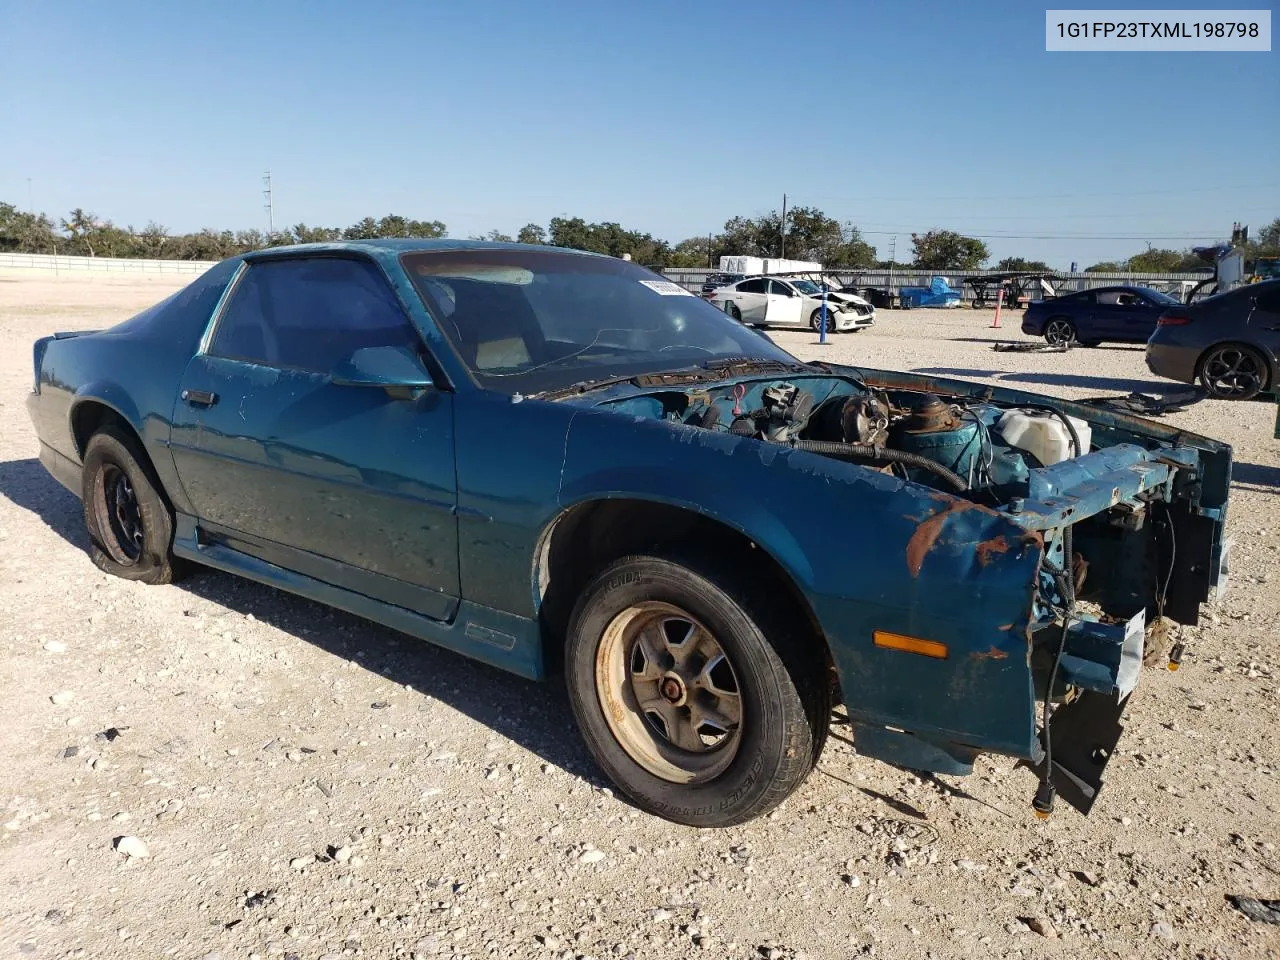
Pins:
x,y
1230,342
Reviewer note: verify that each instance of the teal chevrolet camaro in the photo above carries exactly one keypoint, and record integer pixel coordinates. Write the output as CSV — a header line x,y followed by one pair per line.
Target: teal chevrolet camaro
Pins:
x,y
557,462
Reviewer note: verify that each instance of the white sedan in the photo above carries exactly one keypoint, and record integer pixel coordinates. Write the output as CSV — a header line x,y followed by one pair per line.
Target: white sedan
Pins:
x,y
779,302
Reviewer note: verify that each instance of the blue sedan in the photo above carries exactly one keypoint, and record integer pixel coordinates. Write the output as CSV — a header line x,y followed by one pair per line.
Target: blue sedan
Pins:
x,y
550,460
1091,317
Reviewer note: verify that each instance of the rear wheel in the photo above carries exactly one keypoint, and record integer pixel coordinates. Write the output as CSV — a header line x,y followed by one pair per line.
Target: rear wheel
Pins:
x,y
734,312
129,523
1233,372
1059,330
701,706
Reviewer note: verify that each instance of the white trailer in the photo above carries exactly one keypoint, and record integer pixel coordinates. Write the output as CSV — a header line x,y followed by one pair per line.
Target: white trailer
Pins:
x,y
754,266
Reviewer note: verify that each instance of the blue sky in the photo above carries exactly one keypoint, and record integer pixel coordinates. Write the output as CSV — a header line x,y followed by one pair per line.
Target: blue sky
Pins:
x,y
666,117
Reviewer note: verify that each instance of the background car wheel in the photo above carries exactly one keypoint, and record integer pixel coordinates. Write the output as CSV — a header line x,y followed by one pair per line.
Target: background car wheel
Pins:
x,y
1233,372
815,320
734,311
1059,330
701,704
130,525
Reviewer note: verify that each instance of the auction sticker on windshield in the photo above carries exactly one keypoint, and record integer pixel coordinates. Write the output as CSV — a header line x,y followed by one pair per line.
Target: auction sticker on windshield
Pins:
x,y
666,288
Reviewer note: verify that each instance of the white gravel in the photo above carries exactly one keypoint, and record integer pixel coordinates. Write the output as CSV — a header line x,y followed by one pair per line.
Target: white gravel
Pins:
x,y
310,785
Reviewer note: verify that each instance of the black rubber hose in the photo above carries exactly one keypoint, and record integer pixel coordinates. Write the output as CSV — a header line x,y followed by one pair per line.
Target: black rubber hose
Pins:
x,y
870,452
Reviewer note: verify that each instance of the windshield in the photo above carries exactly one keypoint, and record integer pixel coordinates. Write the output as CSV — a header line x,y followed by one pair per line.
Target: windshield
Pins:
x,y
1159,297
529,321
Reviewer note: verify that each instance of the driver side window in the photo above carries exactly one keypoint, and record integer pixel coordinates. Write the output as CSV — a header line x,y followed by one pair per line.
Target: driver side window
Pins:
x,y
310,314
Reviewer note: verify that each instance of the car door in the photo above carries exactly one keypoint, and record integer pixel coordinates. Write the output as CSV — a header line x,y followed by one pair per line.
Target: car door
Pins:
x,y
751,296
348,484
1264,322
784,306
1120,315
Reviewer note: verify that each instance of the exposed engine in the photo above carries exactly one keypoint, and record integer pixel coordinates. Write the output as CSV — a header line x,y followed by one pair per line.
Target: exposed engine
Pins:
x,y
969,447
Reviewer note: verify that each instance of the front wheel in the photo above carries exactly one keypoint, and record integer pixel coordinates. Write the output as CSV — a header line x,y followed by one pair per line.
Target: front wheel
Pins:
x,y
1059,331
1232,372
815,319
701,707
129,523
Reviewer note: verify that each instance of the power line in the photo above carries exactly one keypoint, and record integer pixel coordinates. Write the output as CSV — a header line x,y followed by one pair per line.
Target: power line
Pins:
x,y
1252,189
1057,236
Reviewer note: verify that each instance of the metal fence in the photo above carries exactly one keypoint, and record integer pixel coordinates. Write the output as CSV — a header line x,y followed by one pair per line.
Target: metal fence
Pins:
x,y
114,265
884,277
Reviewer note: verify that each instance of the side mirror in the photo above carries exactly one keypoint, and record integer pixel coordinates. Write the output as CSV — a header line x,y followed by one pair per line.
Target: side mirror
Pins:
x,y
394,369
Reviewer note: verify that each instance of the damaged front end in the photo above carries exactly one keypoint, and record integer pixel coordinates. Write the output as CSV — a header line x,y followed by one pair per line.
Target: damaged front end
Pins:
x,y
1132,527
1046,547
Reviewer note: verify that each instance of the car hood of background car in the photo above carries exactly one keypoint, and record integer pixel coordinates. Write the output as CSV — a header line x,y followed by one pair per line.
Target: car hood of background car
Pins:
x,y
847,298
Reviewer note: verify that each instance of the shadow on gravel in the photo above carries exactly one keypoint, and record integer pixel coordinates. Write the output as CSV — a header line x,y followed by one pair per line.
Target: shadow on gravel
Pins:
x,y
28,485
1258,476
1058,379
534,715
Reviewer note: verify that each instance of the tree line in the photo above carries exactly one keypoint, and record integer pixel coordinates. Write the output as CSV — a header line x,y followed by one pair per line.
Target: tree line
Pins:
x,y
808,234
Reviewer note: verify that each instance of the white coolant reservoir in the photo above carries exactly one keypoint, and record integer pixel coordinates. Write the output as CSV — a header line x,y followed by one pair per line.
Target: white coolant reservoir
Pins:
x,y
1042,434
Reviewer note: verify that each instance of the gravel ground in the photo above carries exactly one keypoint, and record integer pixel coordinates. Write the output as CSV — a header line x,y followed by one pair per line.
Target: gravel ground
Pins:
x,y
306,784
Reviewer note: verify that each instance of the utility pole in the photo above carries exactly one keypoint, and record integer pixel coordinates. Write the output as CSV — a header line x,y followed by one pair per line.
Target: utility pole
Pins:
x,y
266,192
893,256
709,241
783,254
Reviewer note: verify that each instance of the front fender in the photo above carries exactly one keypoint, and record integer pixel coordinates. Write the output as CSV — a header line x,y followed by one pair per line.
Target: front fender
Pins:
x,y
872,554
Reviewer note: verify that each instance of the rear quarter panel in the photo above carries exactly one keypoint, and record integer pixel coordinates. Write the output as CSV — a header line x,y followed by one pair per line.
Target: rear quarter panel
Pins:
x,y
133,368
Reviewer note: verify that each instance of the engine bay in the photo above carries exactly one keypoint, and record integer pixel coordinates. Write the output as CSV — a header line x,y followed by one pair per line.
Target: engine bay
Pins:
x,y
978,449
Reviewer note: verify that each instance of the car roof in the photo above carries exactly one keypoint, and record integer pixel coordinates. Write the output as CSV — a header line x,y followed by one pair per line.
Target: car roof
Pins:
x,y
400,245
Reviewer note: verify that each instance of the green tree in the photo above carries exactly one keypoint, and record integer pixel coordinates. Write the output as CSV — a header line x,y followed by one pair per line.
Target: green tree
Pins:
x,y
1010,264
610,239
304,234
694,252
1106,266
531,233
24,232
494,236
79,226
150,241
1153,260
948,250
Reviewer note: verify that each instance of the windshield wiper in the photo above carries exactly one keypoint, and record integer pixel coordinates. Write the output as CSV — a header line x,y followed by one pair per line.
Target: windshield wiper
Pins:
x,y
751,363
719,369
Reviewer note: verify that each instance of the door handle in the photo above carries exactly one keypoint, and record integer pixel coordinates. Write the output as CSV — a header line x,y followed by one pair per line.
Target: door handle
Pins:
x,y
199,398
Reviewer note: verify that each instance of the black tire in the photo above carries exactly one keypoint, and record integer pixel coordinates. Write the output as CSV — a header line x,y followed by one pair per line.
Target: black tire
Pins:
x,y
782,690
129,522
815,321
1058,330
734,311
1232,371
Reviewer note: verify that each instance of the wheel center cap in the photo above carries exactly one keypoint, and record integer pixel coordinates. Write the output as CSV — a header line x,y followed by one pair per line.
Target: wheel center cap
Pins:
x,y
673,690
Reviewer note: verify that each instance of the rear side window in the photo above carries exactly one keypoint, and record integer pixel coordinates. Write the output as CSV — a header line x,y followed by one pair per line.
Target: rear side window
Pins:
x,y
310,314
751,286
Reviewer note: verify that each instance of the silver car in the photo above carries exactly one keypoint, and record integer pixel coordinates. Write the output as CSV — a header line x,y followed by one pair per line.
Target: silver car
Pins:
x,y
787,302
